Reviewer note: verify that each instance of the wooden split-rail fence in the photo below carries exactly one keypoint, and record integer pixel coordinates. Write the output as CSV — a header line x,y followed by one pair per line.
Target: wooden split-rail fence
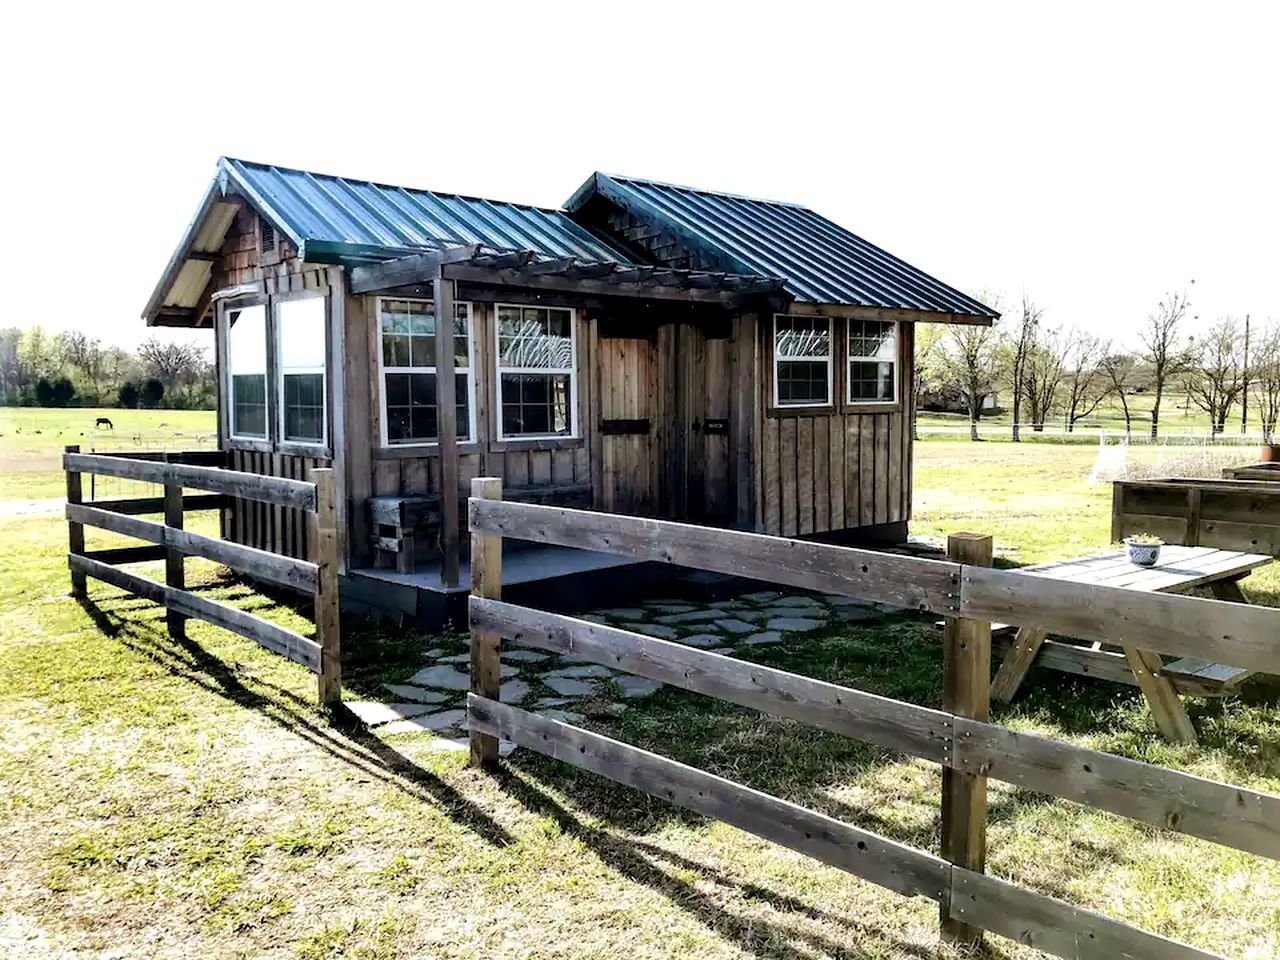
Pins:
x,y
960,737
168,541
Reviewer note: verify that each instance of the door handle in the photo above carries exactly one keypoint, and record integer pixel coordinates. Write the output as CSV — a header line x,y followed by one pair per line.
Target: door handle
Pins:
x,y
697,426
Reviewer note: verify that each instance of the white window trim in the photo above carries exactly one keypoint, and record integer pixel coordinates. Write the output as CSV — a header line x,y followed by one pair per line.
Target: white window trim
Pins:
x,y
829,360
571,370
323,370
850,360
265,436
469,370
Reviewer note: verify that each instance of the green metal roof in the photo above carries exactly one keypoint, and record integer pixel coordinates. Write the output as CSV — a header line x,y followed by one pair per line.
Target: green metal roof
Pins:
x,y
821,261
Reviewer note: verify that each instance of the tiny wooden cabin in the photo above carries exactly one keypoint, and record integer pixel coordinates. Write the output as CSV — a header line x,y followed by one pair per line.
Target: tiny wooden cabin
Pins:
x,y
648,349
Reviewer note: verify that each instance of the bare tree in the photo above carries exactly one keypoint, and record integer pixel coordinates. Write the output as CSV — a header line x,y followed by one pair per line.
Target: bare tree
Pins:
x,y
83,354
1215,377
1042,376
1264,379
972,361
1119,371
173,364
1162,348
1028,327
1084,379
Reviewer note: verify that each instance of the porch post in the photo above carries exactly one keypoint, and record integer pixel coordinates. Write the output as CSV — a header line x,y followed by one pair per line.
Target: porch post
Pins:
x,y
447,426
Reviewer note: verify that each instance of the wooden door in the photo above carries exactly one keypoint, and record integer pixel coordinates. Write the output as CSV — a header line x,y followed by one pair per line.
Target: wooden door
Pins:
x,y
627,425
703,488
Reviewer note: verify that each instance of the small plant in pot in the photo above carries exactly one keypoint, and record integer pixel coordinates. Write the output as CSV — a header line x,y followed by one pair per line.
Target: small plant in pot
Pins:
x,y
1144,549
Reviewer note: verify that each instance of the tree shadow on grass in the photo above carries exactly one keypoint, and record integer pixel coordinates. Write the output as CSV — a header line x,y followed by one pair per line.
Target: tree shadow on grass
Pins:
x,y
344,738
643,862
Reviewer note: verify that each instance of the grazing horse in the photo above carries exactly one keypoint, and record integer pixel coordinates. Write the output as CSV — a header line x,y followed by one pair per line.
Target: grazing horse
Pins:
x,y
103,422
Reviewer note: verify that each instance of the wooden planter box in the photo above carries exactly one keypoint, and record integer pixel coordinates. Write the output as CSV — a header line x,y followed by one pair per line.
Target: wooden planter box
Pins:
x,y
1230,514
1254,471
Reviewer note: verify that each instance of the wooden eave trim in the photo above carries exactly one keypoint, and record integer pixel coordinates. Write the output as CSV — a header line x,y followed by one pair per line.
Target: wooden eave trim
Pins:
x,y
892,314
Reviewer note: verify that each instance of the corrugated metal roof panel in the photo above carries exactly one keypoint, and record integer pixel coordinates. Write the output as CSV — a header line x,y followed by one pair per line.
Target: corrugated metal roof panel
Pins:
x,y
821,261
362,214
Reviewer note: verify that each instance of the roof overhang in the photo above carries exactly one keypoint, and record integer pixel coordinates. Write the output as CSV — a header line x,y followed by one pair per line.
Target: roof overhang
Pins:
x,y
893,314
531,270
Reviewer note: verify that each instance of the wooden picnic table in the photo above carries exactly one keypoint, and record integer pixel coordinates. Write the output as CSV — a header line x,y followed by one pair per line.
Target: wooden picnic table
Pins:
x,y
1178,569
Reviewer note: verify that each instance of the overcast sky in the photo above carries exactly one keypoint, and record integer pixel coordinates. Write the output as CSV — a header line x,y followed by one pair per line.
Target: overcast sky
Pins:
x,y
1093,155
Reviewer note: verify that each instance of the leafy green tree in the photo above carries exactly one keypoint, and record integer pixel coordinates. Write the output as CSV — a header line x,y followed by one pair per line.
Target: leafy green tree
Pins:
x,y
151,393
128,395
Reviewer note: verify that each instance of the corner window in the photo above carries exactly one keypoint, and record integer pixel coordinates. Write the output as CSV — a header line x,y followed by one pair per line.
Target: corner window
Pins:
x,y
536,371
247,367
408,358
873,361
302,369
801,361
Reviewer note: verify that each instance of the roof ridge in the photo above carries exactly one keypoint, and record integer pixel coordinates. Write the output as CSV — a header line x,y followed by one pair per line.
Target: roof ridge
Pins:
x,y
392,186
713,193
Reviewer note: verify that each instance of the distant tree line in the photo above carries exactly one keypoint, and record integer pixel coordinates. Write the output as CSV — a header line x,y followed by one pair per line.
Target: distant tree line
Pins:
x,y
43,369
1053,373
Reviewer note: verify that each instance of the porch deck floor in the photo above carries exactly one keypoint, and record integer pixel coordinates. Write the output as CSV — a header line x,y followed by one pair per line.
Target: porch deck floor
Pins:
x,y
520,564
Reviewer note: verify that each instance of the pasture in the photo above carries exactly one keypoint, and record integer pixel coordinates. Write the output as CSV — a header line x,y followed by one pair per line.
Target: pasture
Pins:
x,y
165,798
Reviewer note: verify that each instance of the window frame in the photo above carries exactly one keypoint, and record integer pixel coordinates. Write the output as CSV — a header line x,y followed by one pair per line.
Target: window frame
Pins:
x,y
284,441
572,370
850,359
829,359
383,370
230,374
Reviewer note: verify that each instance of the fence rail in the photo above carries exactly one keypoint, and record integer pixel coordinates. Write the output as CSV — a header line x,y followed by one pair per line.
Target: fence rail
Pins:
x,y
170,542
960,738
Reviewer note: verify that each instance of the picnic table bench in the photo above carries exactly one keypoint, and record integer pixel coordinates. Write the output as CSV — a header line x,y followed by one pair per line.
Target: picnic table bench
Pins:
x,y
1179,568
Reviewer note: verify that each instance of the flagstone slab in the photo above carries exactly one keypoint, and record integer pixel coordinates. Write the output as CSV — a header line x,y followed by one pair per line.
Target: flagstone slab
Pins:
x,y
761,596
433,722
525,656
856,614
569,687
372,713
796,612
433,653
693,616
623,613
456,658
453,744
670,606
798,600
407,691
735,626
442,676
564,716
793,624
513,691
632,687
659,630
763,638
702,640
546,702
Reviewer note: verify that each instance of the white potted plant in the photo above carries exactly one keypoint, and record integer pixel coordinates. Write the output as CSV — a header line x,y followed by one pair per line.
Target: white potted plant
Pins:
x,y
1144,549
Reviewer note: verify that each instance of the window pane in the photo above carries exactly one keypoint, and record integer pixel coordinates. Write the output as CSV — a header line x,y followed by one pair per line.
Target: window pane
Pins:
x,y
870,380
536,404
802,337
802,381
535,337
249,405
411,407
873,339
304,407
247,339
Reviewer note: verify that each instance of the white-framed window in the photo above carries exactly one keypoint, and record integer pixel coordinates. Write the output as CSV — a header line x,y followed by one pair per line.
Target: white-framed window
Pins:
x,y
801,361
407,358
300,333
873,361
247,370
536,372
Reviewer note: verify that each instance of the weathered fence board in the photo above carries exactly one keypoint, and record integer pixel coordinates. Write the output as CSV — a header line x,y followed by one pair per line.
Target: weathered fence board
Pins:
x,y
920,584
1241,635
893,724
1230,815
885,862
297,574
250,486
1056,927
272,636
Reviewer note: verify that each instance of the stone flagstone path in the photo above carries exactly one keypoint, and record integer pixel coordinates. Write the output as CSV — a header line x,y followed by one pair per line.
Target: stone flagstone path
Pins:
x,y
433,699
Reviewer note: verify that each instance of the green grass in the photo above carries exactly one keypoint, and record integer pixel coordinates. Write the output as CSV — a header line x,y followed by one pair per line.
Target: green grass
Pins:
x,y
175,799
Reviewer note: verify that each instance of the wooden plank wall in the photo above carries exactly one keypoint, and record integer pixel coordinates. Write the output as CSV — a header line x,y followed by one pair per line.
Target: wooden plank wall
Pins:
x,y
834,471
281,530
630,383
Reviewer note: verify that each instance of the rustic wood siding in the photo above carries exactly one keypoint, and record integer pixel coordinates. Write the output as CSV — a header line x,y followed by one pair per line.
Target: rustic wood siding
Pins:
x,y
281,530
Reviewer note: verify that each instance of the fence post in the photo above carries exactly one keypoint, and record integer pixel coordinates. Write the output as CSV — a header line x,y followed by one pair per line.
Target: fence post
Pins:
x,y
486,581
174,572
75,531
966,692
325,546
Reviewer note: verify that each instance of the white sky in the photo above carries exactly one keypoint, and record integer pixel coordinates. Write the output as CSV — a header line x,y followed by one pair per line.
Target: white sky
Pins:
x,y
1096,155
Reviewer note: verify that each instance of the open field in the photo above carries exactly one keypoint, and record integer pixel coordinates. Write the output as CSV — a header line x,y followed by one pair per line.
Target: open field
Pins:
x,y
173,799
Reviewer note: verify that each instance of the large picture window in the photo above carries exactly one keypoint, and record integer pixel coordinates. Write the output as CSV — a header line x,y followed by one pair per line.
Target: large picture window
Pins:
x,y
873,361
247,369
801,361
408,334
302,369
536,372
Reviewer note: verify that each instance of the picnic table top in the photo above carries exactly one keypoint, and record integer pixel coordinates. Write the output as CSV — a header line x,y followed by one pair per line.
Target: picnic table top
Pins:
x,y
1178,568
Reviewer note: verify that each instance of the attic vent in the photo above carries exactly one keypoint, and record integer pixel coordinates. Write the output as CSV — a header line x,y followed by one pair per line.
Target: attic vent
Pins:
x,y
268,235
